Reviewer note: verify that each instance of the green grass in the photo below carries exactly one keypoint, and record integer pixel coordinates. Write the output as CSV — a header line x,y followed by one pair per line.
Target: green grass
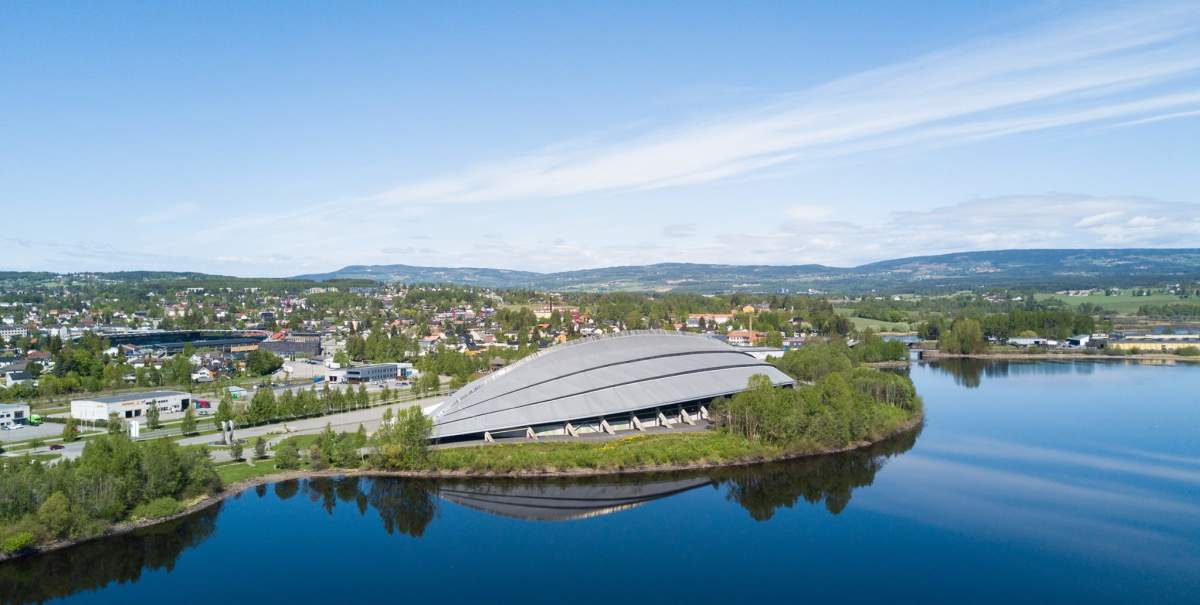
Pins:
x,y
232,472
155,509
302,442
863,323
1123,304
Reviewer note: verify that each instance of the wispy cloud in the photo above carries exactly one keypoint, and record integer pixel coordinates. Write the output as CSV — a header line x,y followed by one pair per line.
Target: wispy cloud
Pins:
x,y
1136,64
1133,63
679,230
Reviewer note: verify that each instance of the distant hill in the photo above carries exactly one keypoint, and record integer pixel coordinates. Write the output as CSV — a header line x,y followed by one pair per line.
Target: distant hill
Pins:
x,y
1042,269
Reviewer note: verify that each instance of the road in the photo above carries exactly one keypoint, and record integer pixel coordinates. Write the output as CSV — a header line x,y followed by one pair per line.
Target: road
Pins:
x,y
340,421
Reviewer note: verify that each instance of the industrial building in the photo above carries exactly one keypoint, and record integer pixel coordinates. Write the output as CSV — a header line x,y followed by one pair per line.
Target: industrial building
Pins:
x,y
13,413
130,405
604,384
1156,343
373,373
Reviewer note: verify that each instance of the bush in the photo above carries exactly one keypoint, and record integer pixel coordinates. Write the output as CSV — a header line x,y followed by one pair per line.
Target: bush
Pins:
x,y
287,456
17,542
1188,351
155,509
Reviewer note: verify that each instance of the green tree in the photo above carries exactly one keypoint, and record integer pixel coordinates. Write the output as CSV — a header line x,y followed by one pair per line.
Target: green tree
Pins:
x,y
342,359
403,443
262,363
964,337
55,515
235,450
152,419
287,456
70,431
115,426
162,469
262,406
188,425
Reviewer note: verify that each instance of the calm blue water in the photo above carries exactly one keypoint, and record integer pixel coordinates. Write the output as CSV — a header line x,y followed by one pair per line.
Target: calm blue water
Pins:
x,y
1040,482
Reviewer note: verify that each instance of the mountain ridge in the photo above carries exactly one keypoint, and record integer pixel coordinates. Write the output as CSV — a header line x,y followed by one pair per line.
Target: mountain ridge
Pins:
x,y
1045,267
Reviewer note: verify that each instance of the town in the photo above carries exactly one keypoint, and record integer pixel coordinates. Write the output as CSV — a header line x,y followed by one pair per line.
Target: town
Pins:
x,y
97,349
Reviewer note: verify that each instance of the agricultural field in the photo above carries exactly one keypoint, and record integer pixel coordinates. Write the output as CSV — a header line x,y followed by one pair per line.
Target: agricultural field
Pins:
x,y
1123,304
863,323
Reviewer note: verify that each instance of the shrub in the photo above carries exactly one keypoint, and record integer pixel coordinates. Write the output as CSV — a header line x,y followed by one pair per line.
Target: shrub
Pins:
x,y
287,456
1188,351
157,508
18,542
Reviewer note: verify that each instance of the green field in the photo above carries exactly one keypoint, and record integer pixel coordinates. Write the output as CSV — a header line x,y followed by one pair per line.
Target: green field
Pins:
x,y
862,323
1124,303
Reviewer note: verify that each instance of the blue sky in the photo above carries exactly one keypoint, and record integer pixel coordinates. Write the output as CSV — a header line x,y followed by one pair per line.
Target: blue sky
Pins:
x,y
286,138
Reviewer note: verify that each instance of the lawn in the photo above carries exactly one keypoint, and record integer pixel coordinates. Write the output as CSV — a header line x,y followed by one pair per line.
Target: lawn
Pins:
x,y
232,472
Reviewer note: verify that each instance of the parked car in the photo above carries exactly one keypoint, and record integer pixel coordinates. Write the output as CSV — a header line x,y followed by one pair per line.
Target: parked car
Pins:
x,y
57,446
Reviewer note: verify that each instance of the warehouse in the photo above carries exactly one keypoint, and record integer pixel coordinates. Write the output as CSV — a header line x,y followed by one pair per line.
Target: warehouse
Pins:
x,y
130,405
373,373
611,383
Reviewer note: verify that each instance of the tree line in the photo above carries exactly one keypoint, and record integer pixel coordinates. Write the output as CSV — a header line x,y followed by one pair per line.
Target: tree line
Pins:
x,y
115,479
836,403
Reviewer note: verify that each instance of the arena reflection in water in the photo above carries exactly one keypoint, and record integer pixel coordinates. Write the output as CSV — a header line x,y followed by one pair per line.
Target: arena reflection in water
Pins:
x,y
408,507
970,373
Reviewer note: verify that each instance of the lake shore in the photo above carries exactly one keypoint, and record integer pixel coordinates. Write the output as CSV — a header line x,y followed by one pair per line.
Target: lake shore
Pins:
x,y
235,489
1159,358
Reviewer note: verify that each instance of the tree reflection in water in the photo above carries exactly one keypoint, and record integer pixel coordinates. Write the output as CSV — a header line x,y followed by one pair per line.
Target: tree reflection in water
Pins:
x,y
408,506
762,489
96,564
970,372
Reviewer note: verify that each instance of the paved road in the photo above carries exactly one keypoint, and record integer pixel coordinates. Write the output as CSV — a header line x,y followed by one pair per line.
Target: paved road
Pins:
x,y
341,422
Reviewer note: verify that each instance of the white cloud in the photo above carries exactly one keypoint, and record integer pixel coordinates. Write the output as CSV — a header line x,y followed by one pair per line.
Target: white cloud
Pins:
x,y
679,230
1052,220
1130,63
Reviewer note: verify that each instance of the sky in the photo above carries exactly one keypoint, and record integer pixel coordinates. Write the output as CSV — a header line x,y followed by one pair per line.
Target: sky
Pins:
x,y
274,139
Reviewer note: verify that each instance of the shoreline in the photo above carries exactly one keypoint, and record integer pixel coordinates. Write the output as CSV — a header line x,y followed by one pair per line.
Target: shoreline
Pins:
x,y
1158,358
235,489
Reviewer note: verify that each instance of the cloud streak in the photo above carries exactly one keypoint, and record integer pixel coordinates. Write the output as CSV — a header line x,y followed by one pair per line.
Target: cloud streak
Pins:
x,y
1118,68
1130,64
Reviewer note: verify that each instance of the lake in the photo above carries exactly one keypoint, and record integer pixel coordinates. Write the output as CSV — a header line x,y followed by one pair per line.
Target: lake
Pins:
x,y
1043,482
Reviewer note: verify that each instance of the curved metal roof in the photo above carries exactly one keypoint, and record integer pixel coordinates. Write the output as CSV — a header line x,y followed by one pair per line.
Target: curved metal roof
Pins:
x,y
600,376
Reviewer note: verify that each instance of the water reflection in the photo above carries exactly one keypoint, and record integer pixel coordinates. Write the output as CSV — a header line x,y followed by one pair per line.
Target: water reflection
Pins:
x,y
409,506
830,480
970,373
552,501
96,564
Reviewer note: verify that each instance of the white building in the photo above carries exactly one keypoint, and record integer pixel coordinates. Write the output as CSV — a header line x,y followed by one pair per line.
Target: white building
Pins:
x,y
13,413
10,332
130,405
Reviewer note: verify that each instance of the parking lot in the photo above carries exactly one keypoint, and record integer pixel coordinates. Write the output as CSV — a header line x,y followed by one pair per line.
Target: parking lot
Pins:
x,y
26,432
